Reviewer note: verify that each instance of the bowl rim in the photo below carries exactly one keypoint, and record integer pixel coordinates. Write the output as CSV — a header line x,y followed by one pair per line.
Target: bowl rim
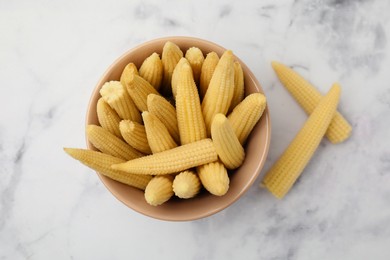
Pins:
x,y
259,166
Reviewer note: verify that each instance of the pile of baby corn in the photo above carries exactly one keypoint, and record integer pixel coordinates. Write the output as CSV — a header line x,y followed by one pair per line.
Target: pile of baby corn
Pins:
x,y
146,142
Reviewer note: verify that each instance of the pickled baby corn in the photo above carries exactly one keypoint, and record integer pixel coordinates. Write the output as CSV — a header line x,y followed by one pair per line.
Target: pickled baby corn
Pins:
x,y
214,178
159,190
110,144
283,174
127,73
195,57
101,163
117,97
238,94
139,89
188,109
246,114
152,70
171,161
309,97
228,147
208,67
171,55
220,91
176,73
108,118
186,185
135,135
163,110
157,134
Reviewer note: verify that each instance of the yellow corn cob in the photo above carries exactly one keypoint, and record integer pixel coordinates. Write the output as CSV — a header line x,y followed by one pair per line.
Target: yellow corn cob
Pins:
x,y
238,94
195,57
139,89
171,55
135,135
220,91
101,163
171,161
157,134
152,70
117,97
127,73
186,184
282,175
246,114
108,118
163,110
214,178
309,97
207,72
176,73
110,144
188,109
228,147
159,190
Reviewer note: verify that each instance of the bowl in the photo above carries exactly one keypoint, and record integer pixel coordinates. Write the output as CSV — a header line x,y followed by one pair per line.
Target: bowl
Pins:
x,y
204,204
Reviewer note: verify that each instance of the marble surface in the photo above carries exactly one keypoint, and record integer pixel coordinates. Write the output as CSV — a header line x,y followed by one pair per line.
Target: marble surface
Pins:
x,y
52,53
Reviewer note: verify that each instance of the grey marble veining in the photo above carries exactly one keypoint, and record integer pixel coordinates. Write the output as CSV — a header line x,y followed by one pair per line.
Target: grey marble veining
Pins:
x,y
51,56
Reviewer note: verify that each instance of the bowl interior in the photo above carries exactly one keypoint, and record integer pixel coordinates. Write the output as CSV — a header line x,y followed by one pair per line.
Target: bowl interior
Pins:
x,y
204,204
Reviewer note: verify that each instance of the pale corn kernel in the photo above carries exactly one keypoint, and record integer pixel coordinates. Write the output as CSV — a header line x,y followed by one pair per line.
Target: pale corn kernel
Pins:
x,y
283,174
239,89
159,190
186,185
115,94
228,147
135,135
152,70
246,114
110,144
108,118
309,97
188,109
175,75
214,178
139,89
195,57
220,91
101,163
207,72
171,161
127,73
171,55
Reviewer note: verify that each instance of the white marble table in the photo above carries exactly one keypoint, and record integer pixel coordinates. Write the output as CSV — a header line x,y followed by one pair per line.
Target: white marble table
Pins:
x,y
51,55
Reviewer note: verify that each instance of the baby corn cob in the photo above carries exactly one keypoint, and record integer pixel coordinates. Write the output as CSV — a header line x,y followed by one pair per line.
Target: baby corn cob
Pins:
x,y
189,112
139,89
228,147
163,110
110,144
117,97
186,185
282,175
309,97
171,55
171,161
108,118
101,163
238,94
176,73
195,57
246,114
152,70
157,134
135,135
214,178
207,72
159,190
220,91
127,73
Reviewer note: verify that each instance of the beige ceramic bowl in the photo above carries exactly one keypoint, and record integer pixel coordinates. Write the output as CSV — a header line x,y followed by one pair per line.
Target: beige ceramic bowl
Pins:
x,y
204,204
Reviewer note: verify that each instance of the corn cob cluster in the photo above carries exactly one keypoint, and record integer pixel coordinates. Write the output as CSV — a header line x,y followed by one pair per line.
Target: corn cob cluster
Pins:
x,y
147,142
